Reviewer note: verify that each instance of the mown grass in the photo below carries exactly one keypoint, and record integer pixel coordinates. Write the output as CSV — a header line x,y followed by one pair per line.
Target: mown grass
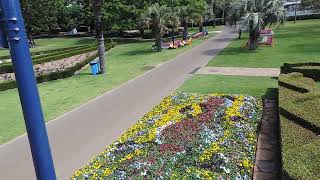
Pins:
x,y
253,86
124,62
298,42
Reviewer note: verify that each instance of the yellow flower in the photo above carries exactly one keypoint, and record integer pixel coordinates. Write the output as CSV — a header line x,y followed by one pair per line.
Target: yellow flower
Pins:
x,y
246,163
107,172
208,153
129,156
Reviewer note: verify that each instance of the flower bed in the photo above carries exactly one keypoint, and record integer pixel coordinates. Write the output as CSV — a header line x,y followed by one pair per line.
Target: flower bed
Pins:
x,y
189,136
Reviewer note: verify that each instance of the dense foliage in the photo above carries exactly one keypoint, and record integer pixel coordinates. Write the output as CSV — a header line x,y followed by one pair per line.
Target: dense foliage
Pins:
x,y
118,15
300,120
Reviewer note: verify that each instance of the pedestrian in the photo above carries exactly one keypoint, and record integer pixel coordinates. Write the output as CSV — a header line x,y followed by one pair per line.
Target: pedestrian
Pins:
x,y
240,32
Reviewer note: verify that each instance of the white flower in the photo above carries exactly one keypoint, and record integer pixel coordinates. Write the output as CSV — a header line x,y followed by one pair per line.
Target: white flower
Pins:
x,y
144,173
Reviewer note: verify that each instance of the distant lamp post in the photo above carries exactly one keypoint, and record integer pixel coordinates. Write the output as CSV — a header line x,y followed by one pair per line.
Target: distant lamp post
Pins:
x,y
296,5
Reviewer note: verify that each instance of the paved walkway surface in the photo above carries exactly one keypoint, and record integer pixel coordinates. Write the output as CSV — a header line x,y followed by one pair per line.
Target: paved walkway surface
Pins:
x,y
268,159
236,71
79,135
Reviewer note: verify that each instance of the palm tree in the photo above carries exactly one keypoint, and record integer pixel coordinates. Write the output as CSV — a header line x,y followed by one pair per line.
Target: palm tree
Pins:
x,y
156,15
256,14
171,19
191,11
99,33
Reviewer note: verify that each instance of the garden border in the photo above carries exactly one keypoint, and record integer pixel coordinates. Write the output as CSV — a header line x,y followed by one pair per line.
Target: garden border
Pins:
x,y
56,75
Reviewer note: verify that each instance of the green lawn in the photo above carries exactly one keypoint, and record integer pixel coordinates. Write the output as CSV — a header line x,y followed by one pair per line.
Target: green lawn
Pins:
x,y
64,95
293,43
55,43
253,86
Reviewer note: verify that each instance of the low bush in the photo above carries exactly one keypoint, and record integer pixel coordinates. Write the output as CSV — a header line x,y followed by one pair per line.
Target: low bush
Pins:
x,y
8,68
187,136
304,17
310,70
36,53
299,98
55,75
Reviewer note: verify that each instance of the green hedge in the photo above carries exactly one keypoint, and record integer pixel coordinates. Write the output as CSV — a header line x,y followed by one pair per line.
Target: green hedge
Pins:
x,y
313,70
54,53
304,17
292,106
8,68
55,75
49,51
299,99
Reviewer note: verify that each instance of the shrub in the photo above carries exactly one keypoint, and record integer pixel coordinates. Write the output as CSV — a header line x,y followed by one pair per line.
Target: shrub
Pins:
x,y
55,75
304,17
310,70
299,99
49,51
8,68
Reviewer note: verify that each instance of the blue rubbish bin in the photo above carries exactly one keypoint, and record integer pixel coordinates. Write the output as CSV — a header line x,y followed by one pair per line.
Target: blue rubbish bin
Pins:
x,y
95,67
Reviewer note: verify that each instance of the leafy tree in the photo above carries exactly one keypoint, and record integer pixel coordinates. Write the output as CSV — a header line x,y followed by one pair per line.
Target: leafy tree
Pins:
x,y
190,11
315,4
171,17
156,17
39,15
256,13
97,4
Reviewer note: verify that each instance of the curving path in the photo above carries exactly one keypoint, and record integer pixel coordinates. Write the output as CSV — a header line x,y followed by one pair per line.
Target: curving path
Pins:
x,y
84,132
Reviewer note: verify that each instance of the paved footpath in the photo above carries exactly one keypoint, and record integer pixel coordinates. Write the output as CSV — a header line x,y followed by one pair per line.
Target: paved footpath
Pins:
x,y
84,132
237,71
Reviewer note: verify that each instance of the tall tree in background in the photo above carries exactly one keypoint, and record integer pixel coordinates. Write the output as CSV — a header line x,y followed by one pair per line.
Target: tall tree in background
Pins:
x,y
97,4
314,4
39,15
172,19
190,11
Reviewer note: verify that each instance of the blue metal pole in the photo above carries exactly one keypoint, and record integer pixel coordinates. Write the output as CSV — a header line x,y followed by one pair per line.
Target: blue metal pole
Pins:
x,y
27,86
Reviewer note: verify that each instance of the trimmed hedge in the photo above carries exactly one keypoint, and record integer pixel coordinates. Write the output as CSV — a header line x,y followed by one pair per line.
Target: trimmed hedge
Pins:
x,y
49,51
304,17
8,68
313,70
292,106
299,99
55,75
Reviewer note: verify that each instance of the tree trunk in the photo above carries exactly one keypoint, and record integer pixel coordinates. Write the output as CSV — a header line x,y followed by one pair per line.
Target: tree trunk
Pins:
x,y
201,26
254,41
141,32
99,35
253,44
185,30
172,35
158,39
32,44
223,16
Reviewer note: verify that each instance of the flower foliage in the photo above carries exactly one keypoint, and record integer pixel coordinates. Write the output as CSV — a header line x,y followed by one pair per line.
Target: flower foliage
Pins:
x,y
187,136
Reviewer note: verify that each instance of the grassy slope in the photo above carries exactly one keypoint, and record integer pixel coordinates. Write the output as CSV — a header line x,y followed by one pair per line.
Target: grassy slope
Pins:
x,y
124,62
55,43
294,43
254,86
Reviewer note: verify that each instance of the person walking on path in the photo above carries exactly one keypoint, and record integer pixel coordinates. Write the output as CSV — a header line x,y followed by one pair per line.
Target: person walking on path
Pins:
x,y
240,33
